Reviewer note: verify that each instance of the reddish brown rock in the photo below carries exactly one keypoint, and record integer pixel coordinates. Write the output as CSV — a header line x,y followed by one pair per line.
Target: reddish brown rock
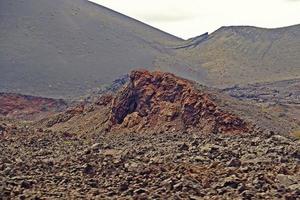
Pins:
x,y
28,107
160,101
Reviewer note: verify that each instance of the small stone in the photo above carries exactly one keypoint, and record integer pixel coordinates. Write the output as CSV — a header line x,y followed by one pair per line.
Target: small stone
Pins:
x,y
123,186
234,162
280,139
245,169
255,141
178,186
294,187
168,183
19,161
40,130
199,158
232,184
140,191
93,183
22,197
49,162
241,188
296,154
247,195
210,148
195,143
87,151
25,184
231,181
95,146
222,191
184,147
285,180
7,170
88,169
193,197
95,191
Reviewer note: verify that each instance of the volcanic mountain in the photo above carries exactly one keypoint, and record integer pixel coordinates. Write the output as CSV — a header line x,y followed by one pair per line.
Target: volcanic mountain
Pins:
x,y
68,48
63,48
244,54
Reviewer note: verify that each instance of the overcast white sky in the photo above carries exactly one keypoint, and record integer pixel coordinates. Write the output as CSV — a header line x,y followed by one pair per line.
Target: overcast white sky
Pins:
x,y
189,18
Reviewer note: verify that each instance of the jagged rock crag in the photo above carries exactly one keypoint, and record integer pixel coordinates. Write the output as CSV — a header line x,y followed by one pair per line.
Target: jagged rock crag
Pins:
x,y
160,101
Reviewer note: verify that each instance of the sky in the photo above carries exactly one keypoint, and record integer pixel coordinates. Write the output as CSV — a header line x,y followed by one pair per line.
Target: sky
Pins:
x,y
190,18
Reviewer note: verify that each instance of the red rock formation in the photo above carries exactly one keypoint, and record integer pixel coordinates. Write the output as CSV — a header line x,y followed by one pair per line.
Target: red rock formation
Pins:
x,y
162,101
28,107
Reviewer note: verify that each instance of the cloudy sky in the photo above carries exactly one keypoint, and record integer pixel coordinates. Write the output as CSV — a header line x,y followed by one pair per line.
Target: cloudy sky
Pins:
x,y
189,18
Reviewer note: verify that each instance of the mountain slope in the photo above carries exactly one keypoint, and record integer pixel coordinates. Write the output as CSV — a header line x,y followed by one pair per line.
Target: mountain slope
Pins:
x,y
244,54
62,48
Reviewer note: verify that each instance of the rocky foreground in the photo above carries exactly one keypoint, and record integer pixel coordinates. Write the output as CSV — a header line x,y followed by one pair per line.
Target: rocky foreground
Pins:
x,y
174,165
158,137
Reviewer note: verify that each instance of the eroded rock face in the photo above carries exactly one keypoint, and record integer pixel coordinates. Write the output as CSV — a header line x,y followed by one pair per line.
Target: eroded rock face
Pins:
x,y
162,101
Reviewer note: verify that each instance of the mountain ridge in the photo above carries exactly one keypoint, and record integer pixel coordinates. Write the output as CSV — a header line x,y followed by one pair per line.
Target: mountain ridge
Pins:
x,y
245,54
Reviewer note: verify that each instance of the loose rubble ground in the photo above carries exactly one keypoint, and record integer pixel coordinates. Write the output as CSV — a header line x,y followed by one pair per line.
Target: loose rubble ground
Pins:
x,y
178,165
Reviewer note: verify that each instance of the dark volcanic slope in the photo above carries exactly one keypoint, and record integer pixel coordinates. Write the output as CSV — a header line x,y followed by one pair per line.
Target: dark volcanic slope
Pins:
x,y
243,54
64,47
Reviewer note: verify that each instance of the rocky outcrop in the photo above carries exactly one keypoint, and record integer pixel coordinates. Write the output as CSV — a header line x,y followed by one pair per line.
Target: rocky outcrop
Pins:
x,y
151,102
162,101
28,107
